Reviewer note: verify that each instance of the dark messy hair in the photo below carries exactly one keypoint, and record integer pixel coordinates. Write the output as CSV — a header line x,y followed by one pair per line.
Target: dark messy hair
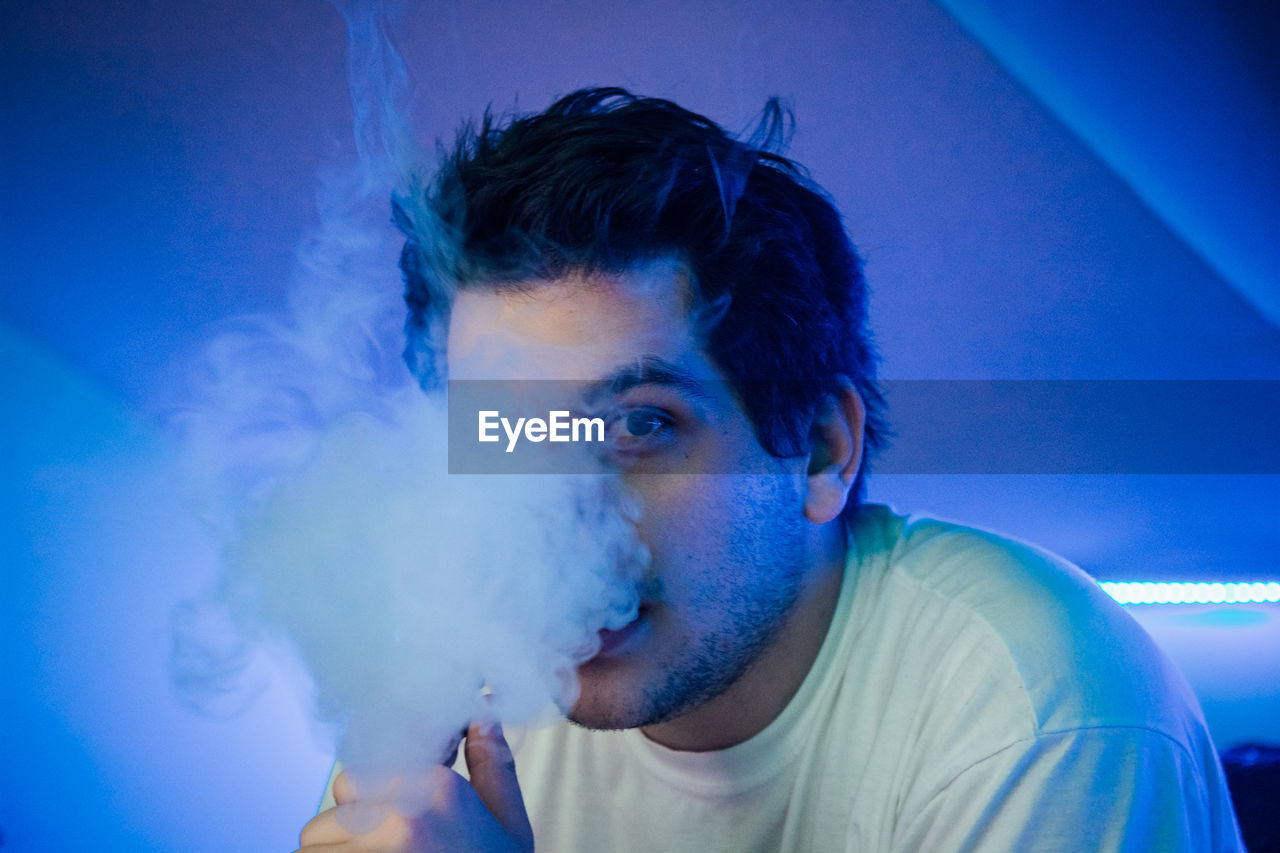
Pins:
x,y
604,180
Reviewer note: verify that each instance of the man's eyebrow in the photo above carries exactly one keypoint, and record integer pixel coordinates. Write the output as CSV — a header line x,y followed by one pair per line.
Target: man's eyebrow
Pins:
x,y
649,370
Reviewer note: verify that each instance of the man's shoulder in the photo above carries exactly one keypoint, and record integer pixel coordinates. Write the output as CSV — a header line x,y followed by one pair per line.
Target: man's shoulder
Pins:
x,y
1038,624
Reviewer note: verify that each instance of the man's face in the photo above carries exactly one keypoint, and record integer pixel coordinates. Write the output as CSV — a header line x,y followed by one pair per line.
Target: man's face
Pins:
x,y
728,549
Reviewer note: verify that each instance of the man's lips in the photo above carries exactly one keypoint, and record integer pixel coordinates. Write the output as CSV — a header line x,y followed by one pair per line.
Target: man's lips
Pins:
x,y
615,642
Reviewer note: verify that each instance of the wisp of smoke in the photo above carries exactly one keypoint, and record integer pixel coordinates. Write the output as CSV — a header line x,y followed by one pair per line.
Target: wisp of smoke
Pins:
x,y
321,468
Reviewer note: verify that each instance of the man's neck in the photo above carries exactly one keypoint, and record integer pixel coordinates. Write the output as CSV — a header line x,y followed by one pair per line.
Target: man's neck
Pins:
x,y
764,690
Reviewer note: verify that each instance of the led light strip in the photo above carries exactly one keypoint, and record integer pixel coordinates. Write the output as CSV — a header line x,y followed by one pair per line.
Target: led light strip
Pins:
x,y
1127,592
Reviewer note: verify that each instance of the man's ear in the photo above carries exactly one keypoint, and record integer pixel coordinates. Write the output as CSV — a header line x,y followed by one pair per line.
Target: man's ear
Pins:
x,y
835,454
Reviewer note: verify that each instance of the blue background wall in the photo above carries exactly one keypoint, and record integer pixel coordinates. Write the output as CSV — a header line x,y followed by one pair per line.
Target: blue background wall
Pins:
x,y
1041,190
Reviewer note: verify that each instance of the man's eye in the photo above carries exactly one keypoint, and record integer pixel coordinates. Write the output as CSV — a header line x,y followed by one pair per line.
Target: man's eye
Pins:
x,y
644,423
640,428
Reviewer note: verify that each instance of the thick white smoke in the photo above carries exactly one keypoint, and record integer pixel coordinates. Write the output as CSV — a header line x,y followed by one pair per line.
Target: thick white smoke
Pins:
x,y
321,468
405,590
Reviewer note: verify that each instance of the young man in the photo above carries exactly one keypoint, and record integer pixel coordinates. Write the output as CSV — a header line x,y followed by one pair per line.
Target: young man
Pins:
x,y
806,672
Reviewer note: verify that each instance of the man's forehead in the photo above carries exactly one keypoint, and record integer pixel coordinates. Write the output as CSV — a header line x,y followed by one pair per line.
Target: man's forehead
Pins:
x,y
580,327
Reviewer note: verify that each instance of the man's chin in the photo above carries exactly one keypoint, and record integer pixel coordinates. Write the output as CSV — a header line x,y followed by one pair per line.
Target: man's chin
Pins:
x,y
610,697
596,725
602,722
605,712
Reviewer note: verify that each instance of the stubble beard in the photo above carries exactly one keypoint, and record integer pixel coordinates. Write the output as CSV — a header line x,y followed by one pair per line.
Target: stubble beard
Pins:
x,y
705,670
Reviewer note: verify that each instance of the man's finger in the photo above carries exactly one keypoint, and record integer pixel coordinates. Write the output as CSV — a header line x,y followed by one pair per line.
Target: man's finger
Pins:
x,y
388,831
344,790
323,829
492,769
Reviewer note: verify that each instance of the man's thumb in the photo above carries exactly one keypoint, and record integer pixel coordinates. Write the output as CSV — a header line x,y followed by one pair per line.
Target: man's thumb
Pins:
x,y
492,769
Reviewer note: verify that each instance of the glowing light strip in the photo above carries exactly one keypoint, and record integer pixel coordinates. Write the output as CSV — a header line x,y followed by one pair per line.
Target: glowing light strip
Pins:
x,y
1127,592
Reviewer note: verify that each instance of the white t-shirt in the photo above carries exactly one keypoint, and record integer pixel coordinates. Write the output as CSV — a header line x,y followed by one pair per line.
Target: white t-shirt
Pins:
x,y
973,693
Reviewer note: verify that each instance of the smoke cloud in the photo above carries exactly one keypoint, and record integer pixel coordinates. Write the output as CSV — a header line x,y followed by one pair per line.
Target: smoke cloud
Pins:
x,y
417,601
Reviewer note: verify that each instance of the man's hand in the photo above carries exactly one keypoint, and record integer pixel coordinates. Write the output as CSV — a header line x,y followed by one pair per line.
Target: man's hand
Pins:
x,y
485,815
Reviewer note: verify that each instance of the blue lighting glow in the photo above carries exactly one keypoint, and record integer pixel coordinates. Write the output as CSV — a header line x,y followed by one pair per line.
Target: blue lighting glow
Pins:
x,y
1128,592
